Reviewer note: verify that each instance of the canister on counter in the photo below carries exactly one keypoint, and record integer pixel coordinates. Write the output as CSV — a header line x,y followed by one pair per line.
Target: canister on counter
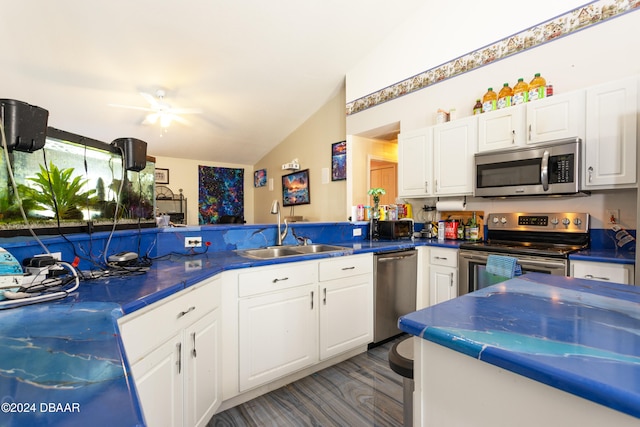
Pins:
x,y
441,226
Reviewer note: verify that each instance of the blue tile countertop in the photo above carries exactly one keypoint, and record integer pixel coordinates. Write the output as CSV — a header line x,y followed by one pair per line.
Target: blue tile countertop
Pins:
x,y
63,363
576,335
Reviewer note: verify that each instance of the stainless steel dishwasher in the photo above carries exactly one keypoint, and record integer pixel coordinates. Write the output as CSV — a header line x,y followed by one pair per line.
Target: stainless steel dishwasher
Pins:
x,y
395,281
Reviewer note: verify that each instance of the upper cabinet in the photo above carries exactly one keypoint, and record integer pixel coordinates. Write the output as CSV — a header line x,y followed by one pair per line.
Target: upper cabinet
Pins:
x,y
556,117
415,174
610,145
502,129
454,145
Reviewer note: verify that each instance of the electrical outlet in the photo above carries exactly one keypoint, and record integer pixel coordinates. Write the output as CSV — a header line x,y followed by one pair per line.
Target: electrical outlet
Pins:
x,y
193,242
193,265
612,216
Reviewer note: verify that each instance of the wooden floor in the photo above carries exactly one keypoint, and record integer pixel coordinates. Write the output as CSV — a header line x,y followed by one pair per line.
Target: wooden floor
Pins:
x,y
361,391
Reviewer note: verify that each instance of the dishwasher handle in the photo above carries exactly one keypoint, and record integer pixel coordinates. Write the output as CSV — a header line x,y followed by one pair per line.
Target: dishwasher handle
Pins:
x,y
394,257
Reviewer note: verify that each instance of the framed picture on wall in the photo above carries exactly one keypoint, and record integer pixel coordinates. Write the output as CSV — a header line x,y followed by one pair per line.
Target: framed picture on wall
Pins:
x,y
339,161
162,176
296,189
260,178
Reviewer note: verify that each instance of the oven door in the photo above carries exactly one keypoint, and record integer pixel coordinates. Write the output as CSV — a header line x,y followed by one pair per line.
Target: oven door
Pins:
x,y
472,268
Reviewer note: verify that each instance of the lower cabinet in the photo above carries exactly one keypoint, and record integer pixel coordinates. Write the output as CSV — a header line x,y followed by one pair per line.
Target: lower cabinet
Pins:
x,y
173,350
603,271
443,275
277,334
346,304
292,316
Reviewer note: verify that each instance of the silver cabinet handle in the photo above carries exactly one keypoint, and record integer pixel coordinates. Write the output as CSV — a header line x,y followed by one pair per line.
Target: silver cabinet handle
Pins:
x,y
348,268
193,352
444,258
513,137
590,173
311,300
426,186
276,280
179,361
591,276
529,132
324,298
451,279
189,310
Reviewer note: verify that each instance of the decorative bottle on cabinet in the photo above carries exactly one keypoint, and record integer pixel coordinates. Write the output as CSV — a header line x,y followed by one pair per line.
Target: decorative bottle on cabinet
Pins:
x,y
537,88
520,92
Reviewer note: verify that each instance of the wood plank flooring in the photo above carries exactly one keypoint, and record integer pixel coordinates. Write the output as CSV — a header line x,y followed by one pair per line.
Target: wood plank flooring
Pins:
x,y
361,391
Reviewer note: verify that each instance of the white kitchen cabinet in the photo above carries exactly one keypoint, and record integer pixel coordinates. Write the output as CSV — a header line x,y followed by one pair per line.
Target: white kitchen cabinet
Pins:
x,y
603,271
415,163
346,304
278,334
443,274
173,350
502,129
454,146
611,141
556,117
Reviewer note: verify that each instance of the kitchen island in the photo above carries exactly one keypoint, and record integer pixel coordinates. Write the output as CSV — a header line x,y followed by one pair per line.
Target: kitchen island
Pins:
x,y
534,350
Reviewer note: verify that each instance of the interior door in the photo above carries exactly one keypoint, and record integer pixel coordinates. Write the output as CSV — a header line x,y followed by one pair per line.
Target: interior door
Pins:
x,y
385,175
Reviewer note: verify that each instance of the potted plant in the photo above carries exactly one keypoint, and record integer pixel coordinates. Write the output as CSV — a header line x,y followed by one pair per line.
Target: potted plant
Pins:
x,y
375,193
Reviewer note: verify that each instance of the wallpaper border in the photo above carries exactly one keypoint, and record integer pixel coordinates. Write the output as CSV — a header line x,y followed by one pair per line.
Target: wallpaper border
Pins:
x,y
563,25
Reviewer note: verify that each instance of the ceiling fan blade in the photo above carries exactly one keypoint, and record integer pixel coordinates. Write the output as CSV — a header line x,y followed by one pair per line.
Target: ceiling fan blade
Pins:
x,y
186,111
131,107
180,119
151,119
152,100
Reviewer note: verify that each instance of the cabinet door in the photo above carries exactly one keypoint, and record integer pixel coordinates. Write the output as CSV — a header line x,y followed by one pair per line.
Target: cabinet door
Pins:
x,y
556,117
158,377
443,285
202,391
501,129
454,145
610,146
606,272
346,314
278,334
415,168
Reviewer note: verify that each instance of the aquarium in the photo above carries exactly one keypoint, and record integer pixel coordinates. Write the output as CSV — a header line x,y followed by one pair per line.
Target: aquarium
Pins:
x,y
74,182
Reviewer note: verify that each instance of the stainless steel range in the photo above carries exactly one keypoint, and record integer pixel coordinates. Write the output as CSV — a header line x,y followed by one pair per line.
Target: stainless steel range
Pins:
x,y
541,242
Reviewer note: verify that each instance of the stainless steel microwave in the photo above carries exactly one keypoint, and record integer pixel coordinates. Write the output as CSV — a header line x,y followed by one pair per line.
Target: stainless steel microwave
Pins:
x,y
543,169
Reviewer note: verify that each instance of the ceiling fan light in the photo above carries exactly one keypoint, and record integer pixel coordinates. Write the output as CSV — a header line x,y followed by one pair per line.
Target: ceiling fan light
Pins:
x,y
165,120
152,118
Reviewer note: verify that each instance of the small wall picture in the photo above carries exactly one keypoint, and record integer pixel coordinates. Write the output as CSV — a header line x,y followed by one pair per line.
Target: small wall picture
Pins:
x,y
162,176
295,188
339,161
260,178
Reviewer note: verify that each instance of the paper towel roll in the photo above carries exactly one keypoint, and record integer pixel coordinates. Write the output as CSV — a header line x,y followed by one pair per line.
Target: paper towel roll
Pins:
x,y
450,205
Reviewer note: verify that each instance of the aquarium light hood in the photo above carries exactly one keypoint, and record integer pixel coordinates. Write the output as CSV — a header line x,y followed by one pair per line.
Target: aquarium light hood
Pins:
x,y
25,126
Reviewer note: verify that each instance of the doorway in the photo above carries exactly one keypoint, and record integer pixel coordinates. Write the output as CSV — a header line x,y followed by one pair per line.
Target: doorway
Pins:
x,y
384,174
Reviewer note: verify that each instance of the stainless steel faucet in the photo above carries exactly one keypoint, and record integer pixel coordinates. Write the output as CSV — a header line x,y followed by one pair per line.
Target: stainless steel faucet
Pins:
x,y
275,210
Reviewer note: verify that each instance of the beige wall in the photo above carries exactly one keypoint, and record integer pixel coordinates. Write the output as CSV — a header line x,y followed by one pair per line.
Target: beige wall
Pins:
x,y
183,173
311,145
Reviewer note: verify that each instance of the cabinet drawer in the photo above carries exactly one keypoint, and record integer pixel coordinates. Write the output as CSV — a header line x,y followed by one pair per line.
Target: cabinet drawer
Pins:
x,y
607,272
346,266
145,329
269,279
446,257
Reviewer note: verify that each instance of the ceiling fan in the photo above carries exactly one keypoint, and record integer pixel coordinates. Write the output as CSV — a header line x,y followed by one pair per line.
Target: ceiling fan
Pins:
x,y
159,111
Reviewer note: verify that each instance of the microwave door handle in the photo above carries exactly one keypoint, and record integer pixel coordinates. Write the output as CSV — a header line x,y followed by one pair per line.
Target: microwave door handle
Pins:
x,y
544,171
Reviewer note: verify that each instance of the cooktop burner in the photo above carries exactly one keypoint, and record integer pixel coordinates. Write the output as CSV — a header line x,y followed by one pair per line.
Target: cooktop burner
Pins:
x,y
545,234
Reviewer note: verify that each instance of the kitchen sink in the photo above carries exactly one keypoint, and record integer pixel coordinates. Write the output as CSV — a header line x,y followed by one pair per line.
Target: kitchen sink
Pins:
x,y
292,250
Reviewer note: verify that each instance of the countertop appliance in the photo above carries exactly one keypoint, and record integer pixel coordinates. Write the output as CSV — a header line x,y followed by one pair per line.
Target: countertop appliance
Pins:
x,y
395,279
541,242
394,229
542,169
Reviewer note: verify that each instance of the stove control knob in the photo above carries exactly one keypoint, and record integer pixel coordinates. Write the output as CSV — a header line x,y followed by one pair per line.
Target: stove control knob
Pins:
x,y
566,221
577,222
503,220
495,220
554,221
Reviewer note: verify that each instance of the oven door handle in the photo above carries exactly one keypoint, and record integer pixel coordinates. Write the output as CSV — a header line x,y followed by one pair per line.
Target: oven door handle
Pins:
x,y
546,263
544,171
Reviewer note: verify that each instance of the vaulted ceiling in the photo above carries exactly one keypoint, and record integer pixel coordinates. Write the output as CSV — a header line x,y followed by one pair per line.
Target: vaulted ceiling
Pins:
x,y
256,70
